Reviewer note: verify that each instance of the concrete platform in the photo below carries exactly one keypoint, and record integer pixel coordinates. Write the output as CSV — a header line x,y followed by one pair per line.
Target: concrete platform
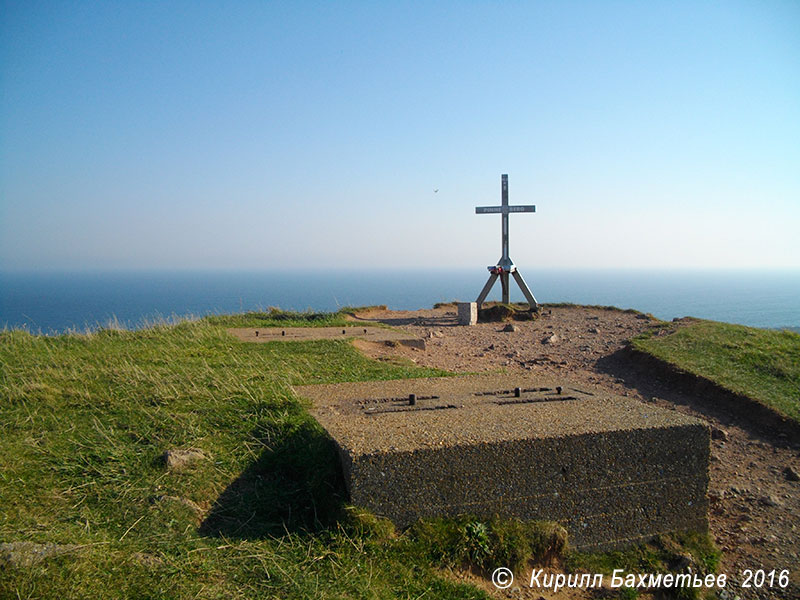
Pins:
x,y
297,334
610,469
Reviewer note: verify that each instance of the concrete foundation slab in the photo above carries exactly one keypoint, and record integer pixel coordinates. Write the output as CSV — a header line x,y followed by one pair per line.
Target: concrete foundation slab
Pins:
x,y
296,334
610,469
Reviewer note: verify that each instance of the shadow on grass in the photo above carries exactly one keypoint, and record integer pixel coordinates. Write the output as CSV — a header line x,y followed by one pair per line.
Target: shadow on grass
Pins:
x,y
295,486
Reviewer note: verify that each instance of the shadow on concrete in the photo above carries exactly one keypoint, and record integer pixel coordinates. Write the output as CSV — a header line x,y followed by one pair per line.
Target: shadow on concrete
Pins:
x,y
295,485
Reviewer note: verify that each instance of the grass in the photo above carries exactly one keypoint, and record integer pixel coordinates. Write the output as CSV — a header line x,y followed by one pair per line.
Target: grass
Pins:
x,y
631,311
275,317
667,553
85,419
469,542
658,556
761,364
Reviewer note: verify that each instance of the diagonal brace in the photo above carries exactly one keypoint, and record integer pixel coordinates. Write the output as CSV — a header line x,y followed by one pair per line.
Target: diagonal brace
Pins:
x,y
486,289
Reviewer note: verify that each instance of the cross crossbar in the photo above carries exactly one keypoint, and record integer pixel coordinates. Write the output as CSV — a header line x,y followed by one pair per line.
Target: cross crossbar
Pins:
x,y
484,210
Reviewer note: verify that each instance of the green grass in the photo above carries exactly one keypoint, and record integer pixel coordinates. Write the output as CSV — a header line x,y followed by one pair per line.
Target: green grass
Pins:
x,y
658,556
84,420
469,542
275,317
631,311
667,553
761,364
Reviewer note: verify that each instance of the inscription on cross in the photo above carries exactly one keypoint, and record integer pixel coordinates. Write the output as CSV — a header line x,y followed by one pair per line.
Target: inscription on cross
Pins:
x,y
505,265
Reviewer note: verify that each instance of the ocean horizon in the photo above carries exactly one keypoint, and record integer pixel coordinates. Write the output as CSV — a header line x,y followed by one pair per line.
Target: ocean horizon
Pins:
x,y
55,302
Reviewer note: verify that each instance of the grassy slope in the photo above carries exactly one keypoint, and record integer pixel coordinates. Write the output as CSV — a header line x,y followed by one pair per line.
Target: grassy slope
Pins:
x,y
761,364
84,419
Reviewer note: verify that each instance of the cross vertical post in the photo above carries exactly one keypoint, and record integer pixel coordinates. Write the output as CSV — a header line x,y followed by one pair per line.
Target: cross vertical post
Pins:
x,y
505,265
504,224
505,261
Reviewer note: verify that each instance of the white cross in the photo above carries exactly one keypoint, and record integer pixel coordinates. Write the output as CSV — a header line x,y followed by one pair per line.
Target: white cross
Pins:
x,y
505,265
504,209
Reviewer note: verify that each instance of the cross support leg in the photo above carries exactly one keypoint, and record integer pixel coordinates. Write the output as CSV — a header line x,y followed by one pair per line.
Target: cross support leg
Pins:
x,y
486,289
504,283
524,287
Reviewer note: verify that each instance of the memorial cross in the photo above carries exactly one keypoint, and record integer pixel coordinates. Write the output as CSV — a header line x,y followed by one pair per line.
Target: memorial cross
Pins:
x,y
505,265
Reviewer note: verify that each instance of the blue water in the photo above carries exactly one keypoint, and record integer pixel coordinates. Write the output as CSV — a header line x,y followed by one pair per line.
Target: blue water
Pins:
x,y
56,302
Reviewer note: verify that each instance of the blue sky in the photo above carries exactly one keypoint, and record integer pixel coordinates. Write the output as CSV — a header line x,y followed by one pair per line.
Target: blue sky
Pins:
x,y
263,134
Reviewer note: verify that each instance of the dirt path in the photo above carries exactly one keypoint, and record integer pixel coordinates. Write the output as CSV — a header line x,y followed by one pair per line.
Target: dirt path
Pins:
x,y
755,507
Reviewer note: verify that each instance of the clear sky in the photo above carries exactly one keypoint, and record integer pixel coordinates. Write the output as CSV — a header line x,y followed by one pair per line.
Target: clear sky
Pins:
x,y
241,135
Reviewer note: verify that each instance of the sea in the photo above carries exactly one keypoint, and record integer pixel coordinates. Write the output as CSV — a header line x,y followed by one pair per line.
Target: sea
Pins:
x,y
52,303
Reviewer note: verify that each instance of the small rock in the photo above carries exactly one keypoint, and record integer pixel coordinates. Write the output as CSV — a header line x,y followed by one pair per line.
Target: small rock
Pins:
x,y
148,560
551,339
594,330
683,561
177,459
769,501
643,317
719,434
509,327
28,554
791,474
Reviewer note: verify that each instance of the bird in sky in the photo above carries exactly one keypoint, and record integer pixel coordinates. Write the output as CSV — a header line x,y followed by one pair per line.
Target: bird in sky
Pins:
x,y
436,190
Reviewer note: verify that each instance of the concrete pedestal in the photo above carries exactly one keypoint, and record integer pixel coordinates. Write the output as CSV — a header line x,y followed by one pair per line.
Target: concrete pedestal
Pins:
x,y
611,470
467,313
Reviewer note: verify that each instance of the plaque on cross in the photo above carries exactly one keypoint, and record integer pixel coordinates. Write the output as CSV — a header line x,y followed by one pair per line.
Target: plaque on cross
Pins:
x,y
505,265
